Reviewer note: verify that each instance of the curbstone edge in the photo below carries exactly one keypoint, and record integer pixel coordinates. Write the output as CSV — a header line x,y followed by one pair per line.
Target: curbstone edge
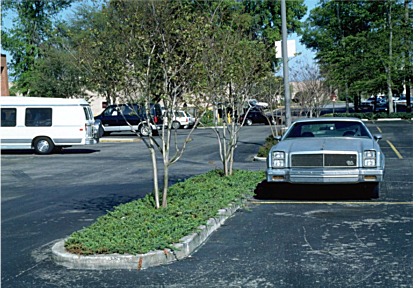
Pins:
x,y
183,249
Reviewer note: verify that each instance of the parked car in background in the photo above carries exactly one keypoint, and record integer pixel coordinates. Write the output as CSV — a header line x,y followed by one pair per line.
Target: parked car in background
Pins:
x,y
254,103
180,119
192,119
257,116
116,118
327,151
401,105
374,104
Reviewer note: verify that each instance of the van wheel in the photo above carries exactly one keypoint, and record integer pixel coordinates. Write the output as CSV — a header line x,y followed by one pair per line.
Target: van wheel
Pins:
x,y
144,130
43,145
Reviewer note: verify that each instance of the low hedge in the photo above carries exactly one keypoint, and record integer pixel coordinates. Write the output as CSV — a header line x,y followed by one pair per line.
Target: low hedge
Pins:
x,y
137,227
373,116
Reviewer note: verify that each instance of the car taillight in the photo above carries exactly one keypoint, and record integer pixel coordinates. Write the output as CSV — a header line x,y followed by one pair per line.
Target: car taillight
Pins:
x,y
155,119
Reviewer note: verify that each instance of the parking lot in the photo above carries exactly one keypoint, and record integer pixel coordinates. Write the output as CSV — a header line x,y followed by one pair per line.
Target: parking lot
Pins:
x,y
274,242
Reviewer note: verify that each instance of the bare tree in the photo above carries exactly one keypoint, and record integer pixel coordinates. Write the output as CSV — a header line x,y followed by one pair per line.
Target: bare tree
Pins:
x,y
158,56
312,91
230,65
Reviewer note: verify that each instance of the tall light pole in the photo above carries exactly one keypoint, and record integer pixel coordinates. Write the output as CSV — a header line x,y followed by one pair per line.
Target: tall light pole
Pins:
x,y
288,115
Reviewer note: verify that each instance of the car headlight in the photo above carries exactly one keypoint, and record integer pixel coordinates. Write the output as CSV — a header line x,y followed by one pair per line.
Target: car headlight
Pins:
x,y
278,159
370,158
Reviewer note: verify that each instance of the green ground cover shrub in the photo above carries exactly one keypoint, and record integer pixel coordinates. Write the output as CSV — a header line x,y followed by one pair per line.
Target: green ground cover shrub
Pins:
x,y
265,148
137,227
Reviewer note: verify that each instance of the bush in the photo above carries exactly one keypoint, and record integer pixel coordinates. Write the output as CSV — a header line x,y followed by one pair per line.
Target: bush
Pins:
x,y
373,116
137,227
265,148
208,118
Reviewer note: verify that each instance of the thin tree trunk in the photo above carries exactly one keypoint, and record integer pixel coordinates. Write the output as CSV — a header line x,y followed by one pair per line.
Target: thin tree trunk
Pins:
x,y
155,178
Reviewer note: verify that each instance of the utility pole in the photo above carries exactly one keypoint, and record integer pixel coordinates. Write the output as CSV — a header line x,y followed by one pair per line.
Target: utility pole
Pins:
x,y
288,115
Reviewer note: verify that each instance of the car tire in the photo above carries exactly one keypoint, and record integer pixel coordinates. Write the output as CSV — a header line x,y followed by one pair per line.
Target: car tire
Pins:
x,y
101,131
372,190
176,125
144,130
249,122
43,145
375,192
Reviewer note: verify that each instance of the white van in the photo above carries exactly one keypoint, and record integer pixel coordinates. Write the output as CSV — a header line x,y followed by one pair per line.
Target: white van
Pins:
x,y
46,124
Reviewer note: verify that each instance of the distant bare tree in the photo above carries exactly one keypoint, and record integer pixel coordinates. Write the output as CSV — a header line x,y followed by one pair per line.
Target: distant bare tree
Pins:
x,y
312,91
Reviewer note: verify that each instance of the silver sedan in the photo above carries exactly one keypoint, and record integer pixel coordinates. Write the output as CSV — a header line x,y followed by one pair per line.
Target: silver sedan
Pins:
x,y
327,151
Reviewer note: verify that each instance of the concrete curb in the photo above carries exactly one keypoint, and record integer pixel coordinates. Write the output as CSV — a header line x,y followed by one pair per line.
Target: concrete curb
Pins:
x,y
119,140
262,159
187,245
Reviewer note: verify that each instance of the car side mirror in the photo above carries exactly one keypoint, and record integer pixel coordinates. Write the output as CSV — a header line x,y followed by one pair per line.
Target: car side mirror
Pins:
x,y
377,137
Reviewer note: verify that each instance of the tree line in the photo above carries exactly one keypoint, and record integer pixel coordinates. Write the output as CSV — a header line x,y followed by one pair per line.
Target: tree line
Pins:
x,y
363,47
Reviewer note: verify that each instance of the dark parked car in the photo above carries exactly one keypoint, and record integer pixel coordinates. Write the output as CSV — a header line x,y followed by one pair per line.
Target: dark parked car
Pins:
x,y
257,116
115,117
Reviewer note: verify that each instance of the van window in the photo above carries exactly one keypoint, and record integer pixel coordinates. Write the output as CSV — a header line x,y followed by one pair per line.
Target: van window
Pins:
x,y
8,117
88,113
38,117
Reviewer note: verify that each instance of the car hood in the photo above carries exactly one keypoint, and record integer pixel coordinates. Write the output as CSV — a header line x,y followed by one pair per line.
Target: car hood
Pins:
x,y
326,144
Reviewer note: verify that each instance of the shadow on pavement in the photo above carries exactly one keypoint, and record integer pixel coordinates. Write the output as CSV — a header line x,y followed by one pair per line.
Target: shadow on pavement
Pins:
x,y
287,191
62,151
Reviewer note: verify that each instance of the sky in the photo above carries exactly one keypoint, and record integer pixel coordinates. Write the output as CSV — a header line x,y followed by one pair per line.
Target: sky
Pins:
x,y
308,54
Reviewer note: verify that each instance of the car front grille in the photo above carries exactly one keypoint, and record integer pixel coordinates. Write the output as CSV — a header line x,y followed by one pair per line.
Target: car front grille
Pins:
x,y
324,160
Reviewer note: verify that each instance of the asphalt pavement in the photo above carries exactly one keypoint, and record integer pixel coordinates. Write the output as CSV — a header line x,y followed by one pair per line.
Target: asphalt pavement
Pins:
x,y
275,242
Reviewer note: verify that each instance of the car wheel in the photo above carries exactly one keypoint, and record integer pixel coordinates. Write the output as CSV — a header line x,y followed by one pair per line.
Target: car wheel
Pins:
x,y
176,125
43,145
373,190
144,130
101,131
249,122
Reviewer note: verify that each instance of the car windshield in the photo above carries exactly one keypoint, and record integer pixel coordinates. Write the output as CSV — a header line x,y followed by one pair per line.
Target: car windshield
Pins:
x,y
328,129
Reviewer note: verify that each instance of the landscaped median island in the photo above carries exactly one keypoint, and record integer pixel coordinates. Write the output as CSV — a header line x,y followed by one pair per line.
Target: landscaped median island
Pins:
x,y
138,227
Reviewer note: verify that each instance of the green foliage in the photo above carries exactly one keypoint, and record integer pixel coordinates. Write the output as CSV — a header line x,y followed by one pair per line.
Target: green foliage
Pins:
x,y
352,41
137,227
265,148
32,27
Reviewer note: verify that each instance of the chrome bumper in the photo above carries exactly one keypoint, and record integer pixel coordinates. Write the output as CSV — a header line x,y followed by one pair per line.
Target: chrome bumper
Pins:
x,y
322,176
